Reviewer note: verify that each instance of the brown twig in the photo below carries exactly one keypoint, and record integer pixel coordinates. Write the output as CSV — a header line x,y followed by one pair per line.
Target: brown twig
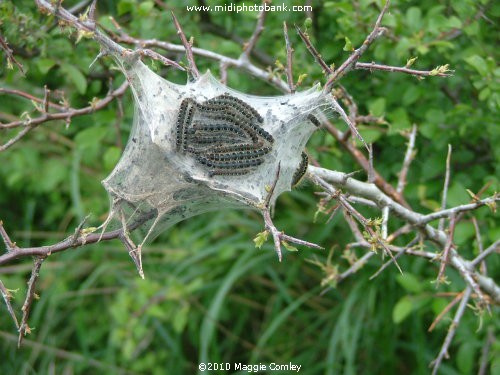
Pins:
x,y
30,295
65,114
443,353
364,163
352,224
6,297
314,52
71,242
30,97
10,246
289,60
447,308
351,61
193,69
10,56
259,28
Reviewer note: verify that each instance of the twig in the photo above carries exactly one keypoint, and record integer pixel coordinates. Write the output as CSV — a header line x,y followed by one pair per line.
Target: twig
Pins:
x,y
349,64
402,178
193,69
69,242
314,52
371,173
66,115
30,97
396,257
445,187
356,266
371,192
443,353
364,163
15,139
259,28
377,241
448,307
223,73
46,99
490,340
494,248
30,295
6,297
243,64
9,245
352,224
10,56
395,69
479,241
409,155
458,209
279,237
446,251
289,60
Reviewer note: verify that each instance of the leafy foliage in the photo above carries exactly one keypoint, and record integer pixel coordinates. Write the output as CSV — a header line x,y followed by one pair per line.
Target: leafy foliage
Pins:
x,y
209,294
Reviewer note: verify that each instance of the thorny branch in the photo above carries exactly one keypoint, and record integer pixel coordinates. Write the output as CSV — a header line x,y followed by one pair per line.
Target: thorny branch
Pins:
x,y
338,186
62,113
9,55
443,353
351,61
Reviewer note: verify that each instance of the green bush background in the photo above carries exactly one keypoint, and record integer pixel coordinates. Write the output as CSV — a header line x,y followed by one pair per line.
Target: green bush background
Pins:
x,y
209,295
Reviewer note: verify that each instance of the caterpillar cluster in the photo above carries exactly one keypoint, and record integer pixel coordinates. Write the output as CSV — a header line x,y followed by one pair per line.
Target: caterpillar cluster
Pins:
x,y
224,134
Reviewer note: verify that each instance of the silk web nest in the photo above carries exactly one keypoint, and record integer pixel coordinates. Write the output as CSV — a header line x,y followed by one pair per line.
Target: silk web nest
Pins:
x,y
203,146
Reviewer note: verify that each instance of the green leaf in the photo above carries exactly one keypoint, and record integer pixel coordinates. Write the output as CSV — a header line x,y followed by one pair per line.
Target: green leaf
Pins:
x,y
478,63
90,137
111,157
126,6
399,120
410,283
145,8
402,309
454,22
484,94
75,75
44,65
52,174
348,45
180,318
377,107
466,357
411,95
414,18
260,239
464,231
